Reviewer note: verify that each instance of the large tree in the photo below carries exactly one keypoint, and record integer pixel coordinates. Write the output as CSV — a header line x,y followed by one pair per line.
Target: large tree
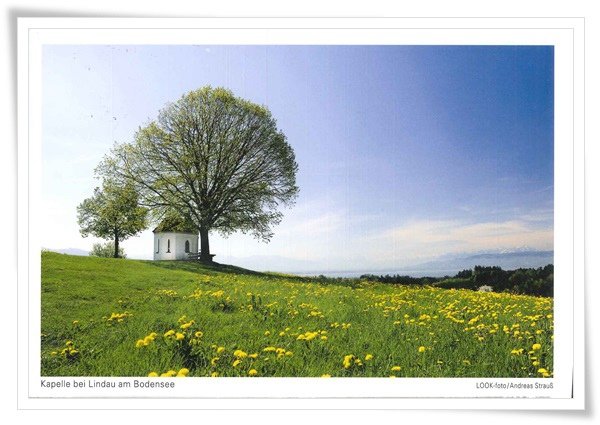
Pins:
x,y
113,212
215,158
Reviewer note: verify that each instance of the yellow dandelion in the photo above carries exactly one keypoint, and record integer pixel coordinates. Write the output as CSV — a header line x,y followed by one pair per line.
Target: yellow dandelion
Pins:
x,y
187,325
536,347
267,333
421,349
236,362
240,354
152,374
183,372
169,333
326,375
396,368
139,343
252,372
198,334
214,374
368,357
220,350
179,336
348,360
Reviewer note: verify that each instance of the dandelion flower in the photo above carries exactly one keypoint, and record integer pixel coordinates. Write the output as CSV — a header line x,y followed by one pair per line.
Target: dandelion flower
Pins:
x,y
421,349
139,343
169,333
396,368
152,374
220,350
240,354
179,336
348,359
236,362
536,347
183,372
252,372
198,334
267,333
214,374
368,357
187,325
326,375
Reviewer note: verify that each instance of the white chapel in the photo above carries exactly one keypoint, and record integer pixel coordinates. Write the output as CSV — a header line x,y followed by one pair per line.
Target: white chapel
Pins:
x,y
174,240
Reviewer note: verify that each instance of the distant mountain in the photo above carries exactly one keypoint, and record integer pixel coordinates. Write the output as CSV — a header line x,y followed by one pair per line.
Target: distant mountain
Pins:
x,y
70,251
506,260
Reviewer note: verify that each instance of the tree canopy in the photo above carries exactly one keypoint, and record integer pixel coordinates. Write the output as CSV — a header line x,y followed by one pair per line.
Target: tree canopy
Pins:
x,y
214,158
112,213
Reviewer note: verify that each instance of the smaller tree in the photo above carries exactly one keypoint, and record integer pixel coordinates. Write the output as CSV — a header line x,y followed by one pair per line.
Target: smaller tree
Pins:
x,y
106,250
113,212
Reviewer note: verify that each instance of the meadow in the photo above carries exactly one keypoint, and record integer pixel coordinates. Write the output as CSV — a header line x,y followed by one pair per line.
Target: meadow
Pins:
x,y
116,317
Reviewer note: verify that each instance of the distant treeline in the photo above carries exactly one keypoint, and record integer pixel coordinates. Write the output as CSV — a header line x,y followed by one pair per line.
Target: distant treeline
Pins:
x,y
530,281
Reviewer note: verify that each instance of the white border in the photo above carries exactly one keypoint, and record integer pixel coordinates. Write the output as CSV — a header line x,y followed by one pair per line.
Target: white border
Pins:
x,y
566,34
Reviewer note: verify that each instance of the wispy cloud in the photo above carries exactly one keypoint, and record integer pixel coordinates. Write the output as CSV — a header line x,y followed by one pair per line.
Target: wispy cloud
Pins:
x,y
423,239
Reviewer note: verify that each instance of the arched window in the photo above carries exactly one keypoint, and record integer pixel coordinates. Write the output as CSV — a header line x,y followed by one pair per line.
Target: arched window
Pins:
x,y
168,245
157,246
187,246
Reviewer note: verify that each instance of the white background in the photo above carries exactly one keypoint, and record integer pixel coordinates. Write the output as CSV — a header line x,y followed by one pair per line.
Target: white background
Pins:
x,y
305,8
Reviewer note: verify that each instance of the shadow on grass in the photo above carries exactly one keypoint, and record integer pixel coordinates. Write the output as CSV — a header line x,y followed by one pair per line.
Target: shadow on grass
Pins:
x,y
196,266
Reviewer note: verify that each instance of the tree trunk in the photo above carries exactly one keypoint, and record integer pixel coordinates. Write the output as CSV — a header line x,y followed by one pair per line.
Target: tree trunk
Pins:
x,y
204,245
116,246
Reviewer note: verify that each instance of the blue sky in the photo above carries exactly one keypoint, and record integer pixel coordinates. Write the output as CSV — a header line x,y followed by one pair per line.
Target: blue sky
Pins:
x,y
405,153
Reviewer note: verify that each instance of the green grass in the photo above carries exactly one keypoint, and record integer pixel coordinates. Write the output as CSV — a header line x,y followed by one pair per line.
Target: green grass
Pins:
x,y
426,332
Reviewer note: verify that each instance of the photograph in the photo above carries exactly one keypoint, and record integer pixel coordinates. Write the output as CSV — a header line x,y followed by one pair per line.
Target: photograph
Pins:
x,y
297,210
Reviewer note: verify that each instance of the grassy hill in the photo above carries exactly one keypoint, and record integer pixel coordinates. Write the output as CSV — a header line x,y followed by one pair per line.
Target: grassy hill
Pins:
x,y
114,317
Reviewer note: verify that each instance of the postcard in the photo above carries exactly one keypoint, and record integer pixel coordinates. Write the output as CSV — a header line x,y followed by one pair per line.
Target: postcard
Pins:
x,y
334,213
